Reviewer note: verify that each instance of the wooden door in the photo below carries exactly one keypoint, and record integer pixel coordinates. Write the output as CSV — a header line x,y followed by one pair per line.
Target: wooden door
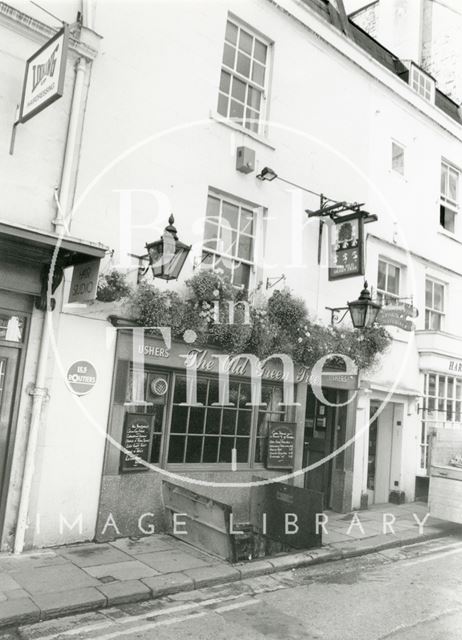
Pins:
x,y
319,436
9,358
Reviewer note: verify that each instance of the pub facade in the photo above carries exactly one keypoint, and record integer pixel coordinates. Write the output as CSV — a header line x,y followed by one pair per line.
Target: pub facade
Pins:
x,y
213,445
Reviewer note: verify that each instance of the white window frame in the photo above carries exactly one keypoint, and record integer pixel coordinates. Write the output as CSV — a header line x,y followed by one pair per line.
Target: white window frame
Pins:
x,y
402,148
388,296
432,310
231,255
441,410
446,201
422,83
261,89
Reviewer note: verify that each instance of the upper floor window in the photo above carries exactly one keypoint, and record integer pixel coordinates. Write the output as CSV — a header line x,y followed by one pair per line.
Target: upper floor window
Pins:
x,y
422,83
397,157
387,282
434,305
244,76
229,238
449,199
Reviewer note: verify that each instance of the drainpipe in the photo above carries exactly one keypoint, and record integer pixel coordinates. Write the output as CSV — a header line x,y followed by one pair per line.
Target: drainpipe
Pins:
x,y
39,393
60,222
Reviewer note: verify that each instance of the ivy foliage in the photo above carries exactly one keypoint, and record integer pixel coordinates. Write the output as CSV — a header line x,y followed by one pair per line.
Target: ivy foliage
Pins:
x,y
214,313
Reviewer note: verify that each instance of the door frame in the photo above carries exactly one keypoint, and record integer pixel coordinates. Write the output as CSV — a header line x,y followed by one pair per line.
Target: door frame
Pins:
x,y
24,308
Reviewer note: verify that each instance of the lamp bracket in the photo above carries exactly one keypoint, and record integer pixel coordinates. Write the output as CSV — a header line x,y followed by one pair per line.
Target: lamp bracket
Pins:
x,y
277,279
335,317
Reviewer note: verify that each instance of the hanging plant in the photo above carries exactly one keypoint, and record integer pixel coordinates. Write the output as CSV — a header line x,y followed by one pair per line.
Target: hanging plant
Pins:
x,y
113,286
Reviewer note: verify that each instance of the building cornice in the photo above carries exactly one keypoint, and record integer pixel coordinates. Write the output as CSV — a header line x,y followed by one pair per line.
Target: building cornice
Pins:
x,y
40,32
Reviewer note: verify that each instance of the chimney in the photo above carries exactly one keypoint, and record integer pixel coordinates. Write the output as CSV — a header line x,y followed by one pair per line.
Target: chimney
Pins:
x,y
399,28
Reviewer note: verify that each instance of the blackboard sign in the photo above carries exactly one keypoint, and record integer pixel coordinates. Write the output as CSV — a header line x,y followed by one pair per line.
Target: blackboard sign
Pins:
x,y
281,445
137,440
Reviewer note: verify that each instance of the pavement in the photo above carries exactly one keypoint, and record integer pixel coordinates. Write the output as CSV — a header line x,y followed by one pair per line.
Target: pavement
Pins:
x,y
86,577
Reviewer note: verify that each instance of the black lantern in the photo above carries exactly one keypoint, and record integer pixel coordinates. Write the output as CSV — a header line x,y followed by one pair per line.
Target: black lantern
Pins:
x,y
363,311
167,255
267,174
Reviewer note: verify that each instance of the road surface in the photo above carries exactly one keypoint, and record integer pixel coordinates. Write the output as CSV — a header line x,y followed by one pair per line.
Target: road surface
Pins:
x,y
411,593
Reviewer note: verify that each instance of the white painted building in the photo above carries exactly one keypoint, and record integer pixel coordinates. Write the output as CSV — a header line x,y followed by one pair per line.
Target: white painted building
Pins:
x,y
327,108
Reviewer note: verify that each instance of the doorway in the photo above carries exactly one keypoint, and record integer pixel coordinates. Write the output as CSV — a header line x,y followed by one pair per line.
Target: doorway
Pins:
x,y
14,326
319,442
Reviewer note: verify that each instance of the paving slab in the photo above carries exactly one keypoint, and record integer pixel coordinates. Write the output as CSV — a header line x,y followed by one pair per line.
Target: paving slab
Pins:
x,y
23,609
125,591
145,545
208,576
56,578
89,555
169,583
28,561
129,570
64,602
8,583
171,561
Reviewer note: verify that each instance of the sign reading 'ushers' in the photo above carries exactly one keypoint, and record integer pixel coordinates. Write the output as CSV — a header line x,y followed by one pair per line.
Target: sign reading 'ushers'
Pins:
x,y
81,377
44,77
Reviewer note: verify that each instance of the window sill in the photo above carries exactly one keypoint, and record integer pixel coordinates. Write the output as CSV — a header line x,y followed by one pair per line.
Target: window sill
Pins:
x,y
449,235
236,127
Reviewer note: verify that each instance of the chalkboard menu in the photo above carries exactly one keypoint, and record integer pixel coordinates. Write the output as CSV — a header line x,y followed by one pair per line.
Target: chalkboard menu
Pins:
x,y
281,445
137,440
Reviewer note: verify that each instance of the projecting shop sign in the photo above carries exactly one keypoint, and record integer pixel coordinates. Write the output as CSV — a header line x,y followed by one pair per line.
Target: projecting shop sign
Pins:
x,y
84,281
346,258
44,77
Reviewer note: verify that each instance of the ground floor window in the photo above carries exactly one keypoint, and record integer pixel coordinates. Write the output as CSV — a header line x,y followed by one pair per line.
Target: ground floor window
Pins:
x,y
206,433
442,407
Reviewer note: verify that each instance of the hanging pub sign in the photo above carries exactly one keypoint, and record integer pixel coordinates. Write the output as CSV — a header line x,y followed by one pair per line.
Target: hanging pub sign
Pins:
x,y
398,314
346,246
44,76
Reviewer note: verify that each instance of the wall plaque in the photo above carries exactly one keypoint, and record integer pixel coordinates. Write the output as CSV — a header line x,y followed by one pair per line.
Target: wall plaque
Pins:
x,y
137,440
281,445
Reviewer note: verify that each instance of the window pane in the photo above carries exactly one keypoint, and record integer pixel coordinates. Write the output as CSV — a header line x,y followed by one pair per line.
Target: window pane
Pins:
x,y
210,236
382,276
241,275
237,111
438,296
212,423
213,207
258,74
179,419
245,42
225,81
244,422
429,294
231,32
452,185
222,105
245,394
245,248
260,51
229,54
227,242
180,389
155,449
226,446
230,214
194,449
393,279
211,449
242,446
196,420
397,161
254,98
444,174
176,448
229,421
246,221
243,64
238,91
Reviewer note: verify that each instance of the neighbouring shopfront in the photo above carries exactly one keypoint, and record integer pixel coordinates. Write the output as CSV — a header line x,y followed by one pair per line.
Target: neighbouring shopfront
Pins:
x,y
157,433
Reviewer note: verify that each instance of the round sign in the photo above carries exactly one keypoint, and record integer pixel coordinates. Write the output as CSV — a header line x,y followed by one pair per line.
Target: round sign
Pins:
x,y
81,377
159,386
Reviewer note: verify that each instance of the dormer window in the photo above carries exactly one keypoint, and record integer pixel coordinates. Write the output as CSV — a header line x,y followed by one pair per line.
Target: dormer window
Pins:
x,y
422,83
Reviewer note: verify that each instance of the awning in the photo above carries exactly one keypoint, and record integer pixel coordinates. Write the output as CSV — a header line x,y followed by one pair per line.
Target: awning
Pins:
x,y
32,246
